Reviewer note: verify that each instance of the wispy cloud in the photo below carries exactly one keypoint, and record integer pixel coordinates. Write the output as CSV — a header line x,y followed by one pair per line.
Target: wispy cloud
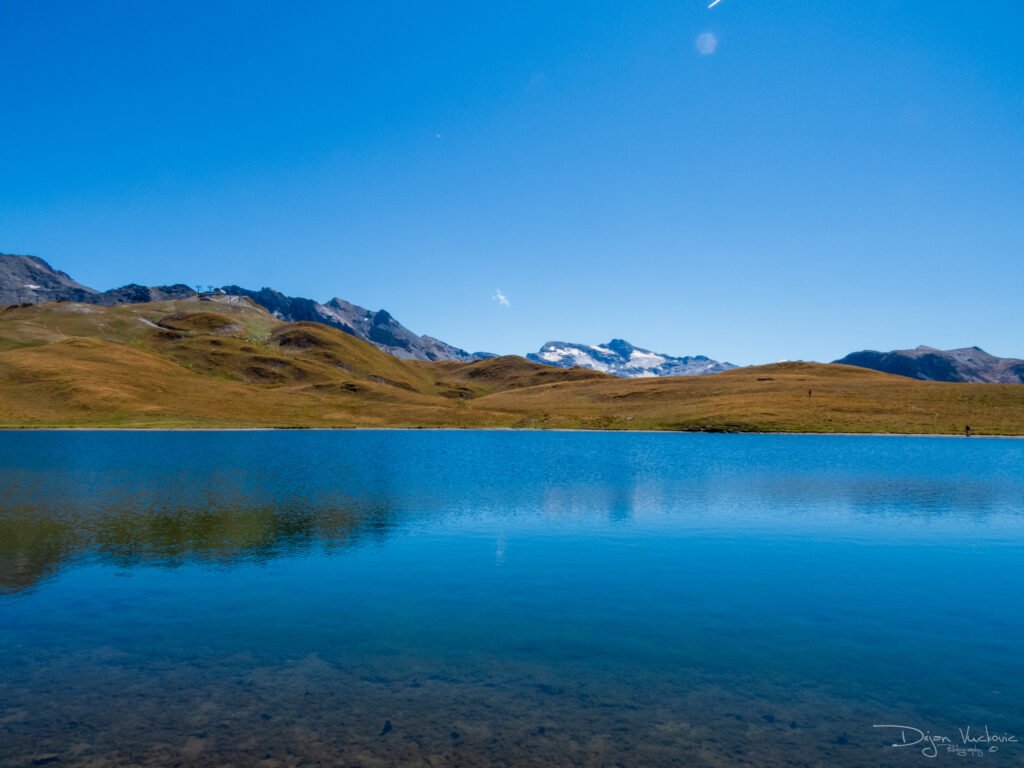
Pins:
x,y
714,3
501,298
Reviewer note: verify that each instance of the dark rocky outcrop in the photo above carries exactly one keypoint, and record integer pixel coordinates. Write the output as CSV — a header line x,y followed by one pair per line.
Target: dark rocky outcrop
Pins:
x,y
141,294
969,364
30,280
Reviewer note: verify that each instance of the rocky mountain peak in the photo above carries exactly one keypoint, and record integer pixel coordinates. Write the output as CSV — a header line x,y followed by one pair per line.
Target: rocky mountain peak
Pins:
x,y
968,364
621,358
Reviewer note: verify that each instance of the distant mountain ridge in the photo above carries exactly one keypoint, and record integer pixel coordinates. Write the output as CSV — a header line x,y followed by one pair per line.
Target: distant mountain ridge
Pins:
x,y
31,280
379,328
620,358
969,364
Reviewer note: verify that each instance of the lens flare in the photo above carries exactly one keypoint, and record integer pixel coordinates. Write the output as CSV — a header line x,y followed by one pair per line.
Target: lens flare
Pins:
x,y
706,43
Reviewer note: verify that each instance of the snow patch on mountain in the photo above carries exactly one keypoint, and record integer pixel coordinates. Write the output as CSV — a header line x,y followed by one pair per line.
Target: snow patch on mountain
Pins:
x,y
620,358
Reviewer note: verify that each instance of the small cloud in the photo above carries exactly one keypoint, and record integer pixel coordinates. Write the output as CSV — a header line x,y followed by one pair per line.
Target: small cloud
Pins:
x,y
501,298
713,4
706,43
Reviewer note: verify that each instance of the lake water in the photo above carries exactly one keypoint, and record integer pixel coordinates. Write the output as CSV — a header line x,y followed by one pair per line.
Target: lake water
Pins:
x,y
507,598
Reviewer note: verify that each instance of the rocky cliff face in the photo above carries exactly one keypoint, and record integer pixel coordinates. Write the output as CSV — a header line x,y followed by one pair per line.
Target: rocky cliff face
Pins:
x,y
970,364
621,358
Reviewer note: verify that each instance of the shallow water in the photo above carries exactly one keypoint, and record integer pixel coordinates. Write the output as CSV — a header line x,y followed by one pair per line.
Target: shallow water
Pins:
x,y
503,598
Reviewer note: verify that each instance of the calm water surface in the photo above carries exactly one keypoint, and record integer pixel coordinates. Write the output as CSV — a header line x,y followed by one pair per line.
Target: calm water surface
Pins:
x,y
499,598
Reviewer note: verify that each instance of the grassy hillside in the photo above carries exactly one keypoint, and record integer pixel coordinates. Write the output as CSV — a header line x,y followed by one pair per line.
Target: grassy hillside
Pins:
x,y
227,363
785,397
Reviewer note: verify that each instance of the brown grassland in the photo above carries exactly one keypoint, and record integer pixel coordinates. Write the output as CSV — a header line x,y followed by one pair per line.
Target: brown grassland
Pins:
x,y
224,363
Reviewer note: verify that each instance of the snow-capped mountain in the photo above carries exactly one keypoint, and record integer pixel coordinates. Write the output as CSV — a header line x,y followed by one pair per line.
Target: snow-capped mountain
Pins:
x,y
621,358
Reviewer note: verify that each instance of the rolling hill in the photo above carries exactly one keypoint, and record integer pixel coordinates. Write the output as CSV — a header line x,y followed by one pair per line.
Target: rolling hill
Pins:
x,y
30,280
222,361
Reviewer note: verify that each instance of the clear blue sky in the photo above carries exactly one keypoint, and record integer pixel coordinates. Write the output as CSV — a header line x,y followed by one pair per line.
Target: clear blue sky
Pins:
x,y
833,176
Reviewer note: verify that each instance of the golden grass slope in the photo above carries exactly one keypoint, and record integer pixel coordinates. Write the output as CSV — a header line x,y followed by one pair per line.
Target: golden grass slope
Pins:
x,y
220,363
228,363
784,397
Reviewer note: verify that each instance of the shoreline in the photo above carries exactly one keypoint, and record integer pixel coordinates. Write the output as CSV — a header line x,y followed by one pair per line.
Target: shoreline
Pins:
x,y
510,429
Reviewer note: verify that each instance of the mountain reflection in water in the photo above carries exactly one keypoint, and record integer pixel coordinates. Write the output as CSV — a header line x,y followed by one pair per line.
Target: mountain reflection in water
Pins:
x,y
499,598
35,543
165,499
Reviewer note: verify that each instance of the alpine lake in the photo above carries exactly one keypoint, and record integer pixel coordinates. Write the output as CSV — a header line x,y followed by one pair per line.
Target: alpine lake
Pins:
x,y
503,598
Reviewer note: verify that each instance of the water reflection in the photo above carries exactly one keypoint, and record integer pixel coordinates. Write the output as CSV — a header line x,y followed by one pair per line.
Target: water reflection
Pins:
x,y
34,542
497,598
171,498
31,548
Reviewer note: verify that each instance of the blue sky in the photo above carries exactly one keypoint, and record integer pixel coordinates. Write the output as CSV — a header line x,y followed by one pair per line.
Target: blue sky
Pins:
x,y
833,176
